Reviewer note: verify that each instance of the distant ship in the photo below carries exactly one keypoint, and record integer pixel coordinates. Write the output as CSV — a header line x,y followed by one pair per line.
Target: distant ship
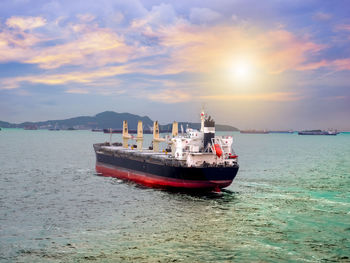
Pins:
x,y
121,131
281,131
192,160
54,128
30,127
112,130
97,130
318,132
254,131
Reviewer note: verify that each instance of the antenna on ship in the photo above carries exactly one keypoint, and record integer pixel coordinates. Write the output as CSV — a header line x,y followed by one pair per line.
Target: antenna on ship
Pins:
x,y
202,119
126,135
156,139
139,137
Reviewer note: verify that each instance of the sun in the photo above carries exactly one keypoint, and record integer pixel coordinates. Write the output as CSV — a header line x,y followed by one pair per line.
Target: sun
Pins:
x,y
241,70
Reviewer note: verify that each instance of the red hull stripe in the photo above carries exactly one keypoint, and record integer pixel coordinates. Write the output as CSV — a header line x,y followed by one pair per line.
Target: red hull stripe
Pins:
x,y
156,181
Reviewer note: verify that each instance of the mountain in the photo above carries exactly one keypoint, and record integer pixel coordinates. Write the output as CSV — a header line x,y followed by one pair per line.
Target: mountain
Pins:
x,y
107,119
4,124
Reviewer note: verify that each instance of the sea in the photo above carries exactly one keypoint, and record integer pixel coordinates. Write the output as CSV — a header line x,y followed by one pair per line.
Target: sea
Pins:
x,y
290,202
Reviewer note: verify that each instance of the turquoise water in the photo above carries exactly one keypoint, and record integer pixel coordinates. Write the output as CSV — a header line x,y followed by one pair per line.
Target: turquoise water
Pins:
x,y
290,202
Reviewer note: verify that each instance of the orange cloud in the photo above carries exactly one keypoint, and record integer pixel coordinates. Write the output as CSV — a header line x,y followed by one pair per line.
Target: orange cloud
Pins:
x,y
85,44
189,48
65,78
94,47
196,48
25,23
314,65
184,47
16,46
283,51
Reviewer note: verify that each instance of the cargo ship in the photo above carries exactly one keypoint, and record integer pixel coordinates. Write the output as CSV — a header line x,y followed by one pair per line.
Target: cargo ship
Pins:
x,y
30,127
130,131
192,160
318,132
112,130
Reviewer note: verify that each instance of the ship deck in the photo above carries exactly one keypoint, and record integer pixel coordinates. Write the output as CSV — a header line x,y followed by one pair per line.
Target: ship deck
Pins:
x,y
144,155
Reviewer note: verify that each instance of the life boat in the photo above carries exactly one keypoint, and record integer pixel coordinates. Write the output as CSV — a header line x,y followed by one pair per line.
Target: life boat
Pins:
x,y
218,150
230,156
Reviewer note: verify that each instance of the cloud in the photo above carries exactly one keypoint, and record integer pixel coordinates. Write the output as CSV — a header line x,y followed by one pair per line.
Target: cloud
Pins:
x,y
86,77
25,23
341,64
16,46
314,65
77,91
159,16
336,65
158,43
274,96
86,17
342,27
320,16
93,47
204,15
184,47
84,44
210,49
282,50
169,96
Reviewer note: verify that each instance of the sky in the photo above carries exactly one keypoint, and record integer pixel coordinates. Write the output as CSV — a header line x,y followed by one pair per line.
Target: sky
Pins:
x,y
252,64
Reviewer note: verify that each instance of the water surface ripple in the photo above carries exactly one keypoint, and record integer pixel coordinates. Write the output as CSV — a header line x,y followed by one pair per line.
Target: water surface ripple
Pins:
x,y
289,202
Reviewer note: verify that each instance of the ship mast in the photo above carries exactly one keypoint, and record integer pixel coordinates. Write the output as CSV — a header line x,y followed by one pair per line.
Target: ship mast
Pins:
x,y
156,138
202,119
126,135
139,138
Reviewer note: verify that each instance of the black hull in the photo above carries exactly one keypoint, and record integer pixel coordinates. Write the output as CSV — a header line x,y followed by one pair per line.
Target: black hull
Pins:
x,y
161,175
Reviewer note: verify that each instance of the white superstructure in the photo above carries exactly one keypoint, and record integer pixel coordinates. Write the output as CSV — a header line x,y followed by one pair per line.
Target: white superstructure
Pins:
x,y
191,148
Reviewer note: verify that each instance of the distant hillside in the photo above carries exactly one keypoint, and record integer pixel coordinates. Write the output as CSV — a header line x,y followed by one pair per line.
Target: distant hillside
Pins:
x,y
4,124
107,119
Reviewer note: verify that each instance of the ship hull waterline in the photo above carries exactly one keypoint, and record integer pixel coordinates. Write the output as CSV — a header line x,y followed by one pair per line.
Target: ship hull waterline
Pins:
x,y
166,182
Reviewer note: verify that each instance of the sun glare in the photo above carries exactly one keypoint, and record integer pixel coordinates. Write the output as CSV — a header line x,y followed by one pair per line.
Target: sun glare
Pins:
x,y
241,71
